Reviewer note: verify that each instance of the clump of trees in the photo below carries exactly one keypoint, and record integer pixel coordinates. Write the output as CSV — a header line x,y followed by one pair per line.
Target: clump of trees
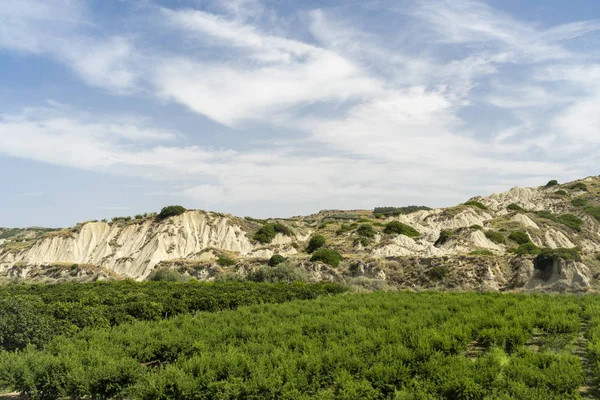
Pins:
x,y
398,228
316,242
171,211
327,256
267,232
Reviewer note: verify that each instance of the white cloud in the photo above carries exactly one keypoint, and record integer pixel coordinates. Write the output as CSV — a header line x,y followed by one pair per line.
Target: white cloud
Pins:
x,y
379,120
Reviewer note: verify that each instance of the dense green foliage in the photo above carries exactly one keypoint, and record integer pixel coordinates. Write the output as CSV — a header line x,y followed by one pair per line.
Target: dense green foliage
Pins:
x,y
579,186
515,207
561,192
267,232
225,261
279,273
316,242
527,249
476,204
165,275
594,211
171,211
570,220
551,183
548,255
579,202
31,314
361,346
366,230
519,237
327,256
476,227
398,228
495,237
381,212
276,259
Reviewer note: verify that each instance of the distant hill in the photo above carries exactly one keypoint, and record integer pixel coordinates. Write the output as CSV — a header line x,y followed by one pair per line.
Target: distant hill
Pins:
x,y
545,237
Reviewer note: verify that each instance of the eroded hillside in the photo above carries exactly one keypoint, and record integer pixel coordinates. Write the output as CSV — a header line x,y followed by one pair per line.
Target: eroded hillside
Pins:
x,y
499,242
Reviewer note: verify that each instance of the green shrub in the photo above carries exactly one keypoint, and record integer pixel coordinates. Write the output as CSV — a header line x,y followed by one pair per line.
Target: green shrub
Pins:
x,y
327,256
561,193
481,253
316,242
165,275
265,234
579,186
495,237
476,227
171,211
398,228
570,220
139,216
527,249
225,261
276,259
366,230
283,229
519,237
363,241
593,211
381,212
515,207
344,228
551,183
546,257
579,202
474,203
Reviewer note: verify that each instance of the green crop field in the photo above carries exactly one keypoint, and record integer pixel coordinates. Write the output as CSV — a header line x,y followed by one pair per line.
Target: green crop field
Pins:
x,y
317,342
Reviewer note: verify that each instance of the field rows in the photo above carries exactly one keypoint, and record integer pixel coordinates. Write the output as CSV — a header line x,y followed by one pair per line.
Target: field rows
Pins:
x,y
349,346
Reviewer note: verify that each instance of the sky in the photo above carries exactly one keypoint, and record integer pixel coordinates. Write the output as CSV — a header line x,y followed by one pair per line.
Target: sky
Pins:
x,y
272,108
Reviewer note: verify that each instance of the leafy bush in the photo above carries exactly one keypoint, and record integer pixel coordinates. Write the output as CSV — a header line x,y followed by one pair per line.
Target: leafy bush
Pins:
x,y
527,249
171,211
381,212
519,237
267,232
366,230
515,207
476,227
327,256
316,242
547,255
495,237
593,211
363,241
476,204
276,259
438,272
165,275
481,253
225,261
579,186
579,202
139,216
570,220
551,183
398,228
561,193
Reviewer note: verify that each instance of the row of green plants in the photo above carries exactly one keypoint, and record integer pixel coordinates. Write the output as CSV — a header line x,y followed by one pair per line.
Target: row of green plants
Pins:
x,y
360,346
34,314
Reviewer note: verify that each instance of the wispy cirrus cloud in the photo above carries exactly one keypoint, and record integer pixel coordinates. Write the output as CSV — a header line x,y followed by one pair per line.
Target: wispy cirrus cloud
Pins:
x,y
380,116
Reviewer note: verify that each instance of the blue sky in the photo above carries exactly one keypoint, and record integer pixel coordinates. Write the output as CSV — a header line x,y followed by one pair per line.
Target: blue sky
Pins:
x,y
271,108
